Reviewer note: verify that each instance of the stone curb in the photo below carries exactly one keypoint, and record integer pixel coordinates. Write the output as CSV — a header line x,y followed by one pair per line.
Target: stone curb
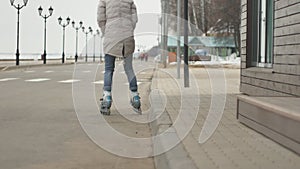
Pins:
x,y
177,157
8,68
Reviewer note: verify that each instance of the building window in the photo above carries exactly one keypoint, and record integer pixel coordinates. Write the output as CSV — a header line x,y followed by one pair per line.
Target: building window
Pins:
x,y
260,32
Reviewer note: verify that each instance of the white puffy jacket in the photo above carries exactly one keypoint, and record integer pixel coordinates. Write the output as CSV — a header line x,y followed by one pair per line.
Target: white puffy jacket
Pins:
x,y
117,20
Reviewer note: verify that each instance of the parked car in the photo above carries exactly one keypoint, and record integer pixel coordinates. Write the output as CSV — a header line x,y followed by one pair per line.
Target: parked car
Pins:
x,y
201,52
194,58
200,55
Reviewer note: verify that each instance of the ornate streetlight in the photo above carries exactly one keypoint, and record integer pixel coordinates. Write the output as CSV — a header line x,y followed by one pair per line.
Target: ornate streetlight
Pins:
x,y
64,25
40,9
77,28
97,33
90,30
100,44
18,7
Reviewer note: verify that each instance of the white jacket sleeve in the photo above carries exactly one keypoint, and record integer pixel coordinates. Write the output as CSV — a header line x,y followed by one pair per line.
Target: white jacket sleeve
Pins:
x,y
101,15
134,15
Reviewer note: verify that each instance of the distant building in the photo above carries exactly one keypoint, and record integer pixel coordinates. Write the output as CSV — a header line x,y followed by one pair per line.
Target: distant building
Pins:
x,y
270,69
221,46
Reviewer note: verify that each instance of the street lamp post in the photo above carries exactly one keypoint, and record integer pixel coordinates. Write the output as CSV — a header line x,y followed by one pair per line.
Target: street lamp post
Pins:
x,y
100,45
97,33
186,45
64,25
18,7
40,9
178,37
164,37
90,30
77,28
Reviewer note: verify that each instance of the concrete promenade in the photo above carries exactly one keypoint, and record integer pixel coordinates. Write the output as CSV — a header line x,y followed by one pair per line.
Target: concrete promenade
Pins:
x,y
40,129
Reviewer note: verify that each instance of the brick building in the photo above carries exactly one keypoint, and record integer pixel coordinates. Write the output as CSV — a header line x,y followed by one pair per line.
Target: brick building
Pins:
x,y
270,69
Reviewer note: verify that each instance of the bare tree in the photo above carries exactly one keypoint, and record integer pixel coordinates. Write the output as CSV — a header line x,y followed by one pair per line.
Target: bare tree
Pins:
x,y
222,17
228,13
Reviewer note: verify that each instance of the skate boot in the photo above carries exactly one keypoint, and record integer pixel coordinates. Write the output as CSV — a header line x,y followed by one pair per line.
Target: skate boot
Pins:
x,y
135,102
105,104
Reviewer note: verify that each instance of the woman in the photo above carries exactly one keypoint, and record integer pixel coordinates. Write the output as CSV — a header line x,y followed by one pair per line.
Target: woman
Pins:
x,y
117,20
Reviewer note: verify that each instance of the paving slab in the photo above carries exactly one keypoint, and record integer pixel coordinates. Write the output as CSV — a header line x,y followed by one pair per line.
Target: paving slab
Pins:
x,y
232,145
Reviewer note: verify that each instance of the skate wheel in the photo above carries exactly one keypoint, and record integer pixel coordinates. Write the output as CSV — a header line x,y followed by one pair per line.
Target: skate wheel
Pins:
x,y
139,111
106,113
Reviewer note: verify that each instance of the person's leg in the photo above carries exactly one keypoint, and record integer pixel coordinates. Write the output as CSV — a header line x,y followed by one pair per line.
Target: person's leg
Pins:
x,y
135,98
106,101
108,72
130,74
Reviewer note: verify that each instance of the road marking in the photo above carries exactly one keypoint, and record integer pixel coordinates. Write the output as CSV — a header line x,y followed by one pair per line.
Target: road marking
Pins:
x,y
5,68
8,79
138,83
37,80
87,71
69,81
49,71
99,82
29,71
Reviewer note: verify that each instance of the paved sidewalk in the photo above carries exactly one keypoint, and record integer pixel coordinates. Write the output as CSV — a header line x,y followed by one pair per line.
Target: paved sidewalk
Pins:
x,y
232,145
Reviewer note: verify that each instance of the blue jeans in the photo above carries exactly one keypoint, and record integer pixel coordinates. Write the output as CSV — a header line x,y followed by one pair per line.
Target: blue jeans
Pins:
x,y
109,71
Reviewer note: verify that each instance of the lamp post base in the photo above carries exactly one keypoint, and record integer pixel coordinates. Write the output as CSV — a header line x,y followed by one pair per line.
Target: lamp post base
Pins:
x,y
76,58
63,58
44,57
17,58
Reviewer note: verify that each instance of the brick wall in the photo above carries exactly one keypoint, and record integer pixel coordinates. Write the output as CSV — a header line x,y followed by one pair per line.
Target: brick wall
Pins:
x,y
284,78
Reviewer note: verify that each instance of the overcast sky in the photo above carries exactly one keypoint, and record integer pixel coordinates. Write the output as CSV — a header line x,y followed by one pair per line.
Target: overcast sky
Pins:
x,y
32,25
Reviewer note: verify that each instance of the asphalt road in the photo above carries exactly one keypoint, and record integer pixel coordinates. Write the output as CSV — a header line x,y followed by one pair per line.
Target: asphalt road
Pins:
x,y
39,127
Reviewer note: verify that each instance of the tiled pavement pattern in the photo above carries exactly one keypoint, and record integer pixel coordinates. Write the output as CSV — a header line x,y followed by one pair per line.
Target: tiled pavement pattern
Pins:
x,y
233,145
